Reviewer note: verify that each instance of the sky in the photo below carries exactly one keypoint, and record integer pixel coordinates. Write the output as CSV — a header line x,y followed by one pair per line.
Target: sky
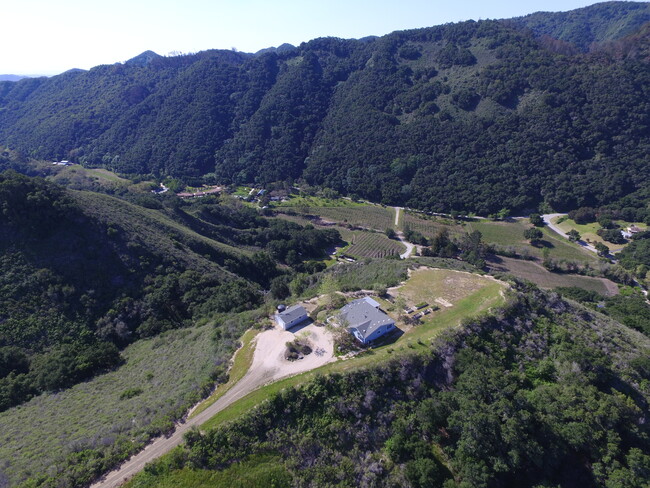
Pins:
x,y
46,37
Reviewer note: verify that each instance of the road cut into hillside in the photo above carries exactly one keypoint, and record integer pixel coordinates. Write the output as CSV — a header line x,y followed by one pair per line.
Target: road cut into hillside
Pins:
x,y
269,365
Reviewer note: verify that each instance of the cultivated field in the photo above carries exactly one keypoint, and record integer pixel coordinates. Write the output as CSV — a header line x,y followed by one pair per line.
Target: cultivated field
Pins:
x,y
344,212
429,226
372,245
542,277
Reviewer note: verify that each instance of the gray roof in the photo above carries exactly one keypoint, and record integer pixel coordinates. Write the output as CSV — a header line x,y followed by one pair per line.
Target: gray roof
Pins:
x,y
293,313
362,316
372,302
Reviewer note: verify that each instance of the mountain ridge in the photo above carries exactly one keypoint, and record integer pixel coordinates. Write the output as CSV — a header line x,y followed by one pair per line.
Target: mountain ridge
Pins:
x,y
433,112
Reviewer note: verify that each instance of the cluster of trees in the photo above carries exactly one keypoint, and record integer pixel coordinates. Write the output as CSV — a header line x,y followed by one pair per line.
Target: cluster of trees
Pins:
x,y
469,247
557,406
376,118
636,257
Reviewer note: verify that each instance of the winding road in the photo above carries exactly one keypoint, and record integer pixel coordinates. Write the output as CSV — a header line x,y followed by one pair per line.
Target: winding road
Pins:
x,y
268,366
548,221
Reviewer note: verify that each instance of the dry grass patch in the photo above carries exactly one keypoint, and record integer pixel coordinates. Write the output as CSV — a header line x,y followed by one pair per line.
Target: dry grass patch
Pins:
x,y
427,285
539,275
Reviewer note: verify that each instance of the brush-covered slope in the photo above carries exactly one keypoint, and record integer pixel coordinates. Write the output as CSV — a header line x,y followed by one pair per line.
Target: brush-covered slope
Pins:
x,y
607,21
544,393
471,116
84,274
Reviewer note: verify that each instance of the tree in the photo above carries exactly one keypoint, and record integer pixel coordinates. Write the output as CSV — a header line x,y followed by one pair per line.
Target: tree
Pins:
x,y
536,219
612,235
606,222
533,234
583,215
602,249
503,214
390,233
573,235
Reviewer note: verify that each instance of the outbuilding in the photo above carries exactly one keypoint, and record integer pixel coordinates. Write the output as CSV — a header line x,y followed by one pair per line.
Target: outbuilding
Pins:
x,y
291,316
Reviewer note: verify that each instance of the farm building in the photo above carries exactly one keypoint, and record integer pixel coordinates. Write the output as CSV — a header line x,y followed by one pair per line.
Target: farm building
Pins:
x,y
291,316
633,229
365,320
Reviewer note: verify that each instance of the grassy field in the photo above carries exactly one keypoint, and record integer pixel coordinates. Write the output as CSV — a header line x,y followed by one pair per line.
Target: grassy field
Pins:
x,y
165,373
477,294
512,234
78,176
241,362
153,228
542,277
588,231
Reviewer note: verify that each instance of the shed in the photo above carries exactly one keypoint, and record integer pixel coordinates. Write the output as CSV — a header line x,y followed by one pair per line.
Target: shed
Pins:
x,y
291,316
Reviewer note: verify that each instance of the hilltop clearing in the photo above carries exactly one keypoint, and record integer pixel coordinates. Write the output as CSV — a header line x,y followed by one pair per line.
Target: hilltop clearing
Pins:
x,y
506,399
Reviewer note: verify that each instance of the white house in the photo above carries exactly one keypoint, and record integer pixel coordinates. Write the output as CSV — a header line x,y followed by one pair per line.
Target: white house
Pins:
x,y
291,316
365,320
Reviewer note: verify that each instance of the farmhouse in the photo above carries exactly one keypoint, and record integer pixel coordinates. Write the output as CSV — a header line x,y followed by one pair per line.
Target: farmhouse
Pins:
x,y
291,316
633,229
365,320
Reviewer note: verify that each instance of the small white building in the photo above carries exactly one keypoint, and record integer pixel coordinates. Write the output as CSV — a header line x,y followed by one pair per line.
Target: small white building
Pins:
x,y
291,316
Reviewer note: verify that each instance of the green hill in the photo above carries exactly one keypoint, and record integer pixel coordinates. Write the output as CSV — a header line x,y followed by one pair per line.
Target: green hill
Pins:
x,y
85,274
473,116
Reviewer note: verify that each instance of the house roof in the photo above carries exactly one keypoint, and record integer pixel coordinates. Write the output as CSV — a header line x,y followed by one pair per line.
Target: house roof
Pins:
x,y
293,313
363,316
372,302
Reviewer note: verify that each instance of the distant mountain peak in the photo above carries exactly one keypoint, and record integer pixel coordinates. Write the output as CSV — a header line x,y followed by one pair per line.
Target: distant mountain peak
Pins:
x,y
143,59
601,22
280,49
11,77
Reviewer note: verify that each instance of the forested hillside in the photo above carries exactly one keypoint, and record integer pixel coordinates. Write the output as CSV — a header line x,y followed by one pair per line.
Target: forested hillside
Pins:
x,y
84,274
472,116
582,27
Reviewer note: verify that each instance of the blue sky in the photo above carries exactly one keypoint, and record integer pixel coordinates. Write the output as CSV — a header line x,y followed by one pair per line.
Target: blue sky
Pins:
x,y
48,37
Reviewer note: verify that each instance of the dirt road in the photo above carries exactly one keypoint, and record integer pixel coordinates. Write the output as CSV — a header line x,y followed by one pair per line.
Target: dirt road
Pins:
x,y
268,365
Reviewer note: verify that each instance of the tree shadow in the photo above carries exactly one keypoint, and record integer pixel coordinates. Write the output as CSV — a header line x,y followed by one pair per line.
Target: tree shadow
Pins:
x,y
543,244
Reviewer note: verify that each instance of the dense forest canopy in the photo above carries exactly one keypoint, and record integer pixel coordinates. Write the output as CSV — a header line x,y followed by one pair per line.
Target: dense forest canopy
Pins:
x,y
472,116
